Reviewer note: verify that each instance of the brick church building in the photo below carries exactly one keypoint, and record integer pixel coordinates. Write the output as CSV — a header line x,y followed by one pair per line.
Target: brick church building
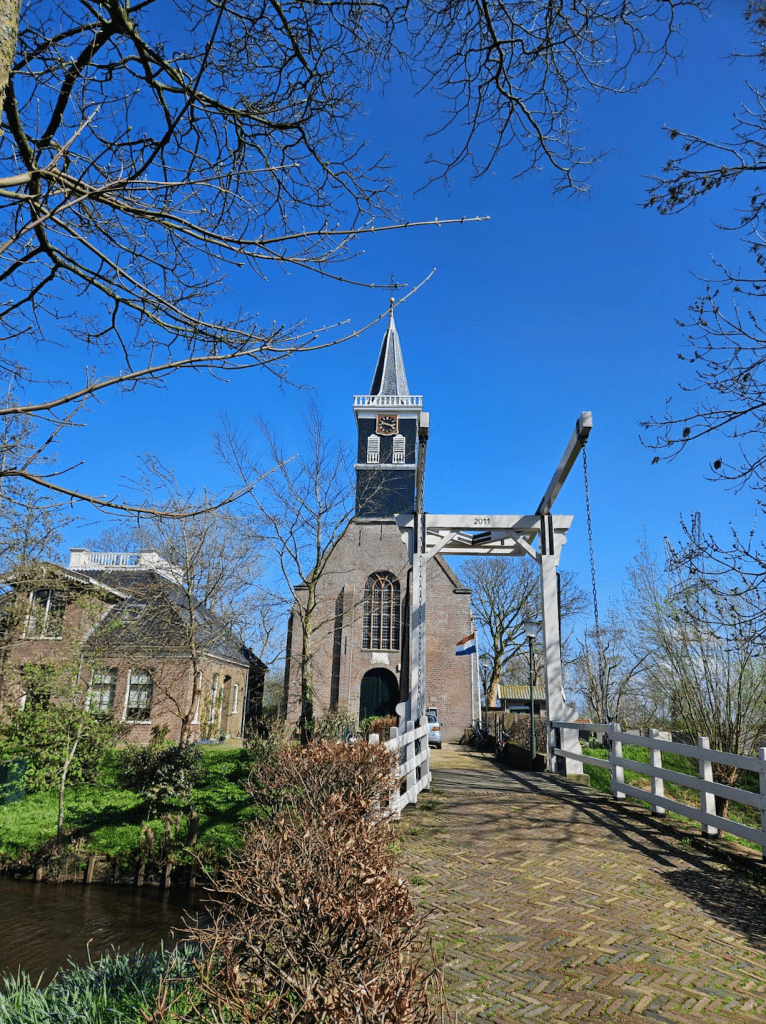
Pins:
x,y
361,658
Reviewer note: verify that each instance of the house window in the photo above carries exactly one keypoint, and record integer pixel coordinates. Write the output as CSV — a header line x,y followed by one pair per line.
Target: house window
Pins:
x,y
102,688
398,455
37,682
195,720
133,611
234,698
213,698
380,627
46,614
140,693
373,448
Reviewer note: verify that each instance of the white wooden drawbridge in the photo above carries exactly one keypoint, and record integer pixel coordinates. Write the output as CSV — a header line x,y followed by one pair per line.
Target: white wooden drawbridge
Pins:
x,y
540,536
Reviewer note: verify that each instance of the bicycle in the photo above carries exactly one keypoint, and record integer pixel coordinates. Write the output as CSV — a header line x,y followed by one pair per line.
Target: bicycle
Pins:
x,y
500,747
480,739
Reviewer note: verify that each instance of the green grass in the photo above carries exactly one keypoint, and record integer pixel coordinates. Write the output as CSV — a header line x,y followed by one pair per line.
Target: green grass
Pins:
x,y
110,818
742,813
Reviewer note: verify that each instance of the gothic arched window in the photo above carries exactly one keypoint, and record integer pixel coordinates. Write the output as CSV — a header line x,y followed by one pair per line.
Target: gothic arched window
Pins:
x,y
380,629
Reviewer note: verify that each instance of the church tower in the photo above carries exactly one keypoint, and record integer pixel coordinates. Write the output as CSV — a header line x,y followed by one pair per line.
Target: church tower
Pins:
x,y
387,427
360,642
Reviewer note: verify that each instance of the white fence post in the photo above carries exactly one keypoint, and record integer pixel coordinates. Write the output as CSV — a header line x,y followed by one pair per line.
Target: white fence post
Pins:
x,y
411,744
618,772
406,756
762,781
658,784
707,800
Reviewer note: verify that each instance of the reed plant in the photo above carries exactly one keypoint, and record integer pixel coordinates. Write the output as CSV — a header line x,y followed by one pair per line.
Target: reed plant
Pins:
x,y
115,989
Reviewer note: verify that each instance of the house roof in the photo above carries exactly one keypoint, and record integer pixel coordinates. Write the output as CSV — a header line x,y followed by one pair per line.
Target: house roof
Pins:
x,y
520,693
45,574
390,378
157,614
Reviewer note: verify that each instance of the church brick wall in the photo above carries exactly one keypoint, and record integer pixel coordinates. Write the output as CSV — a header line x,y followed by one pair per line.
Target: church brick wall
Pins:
x,y
339,660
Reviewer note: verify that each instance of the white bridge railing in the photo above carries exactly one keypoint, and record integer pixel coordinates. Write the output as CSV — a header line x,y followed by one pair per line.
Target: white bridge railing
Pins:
x,y
708,789
414,765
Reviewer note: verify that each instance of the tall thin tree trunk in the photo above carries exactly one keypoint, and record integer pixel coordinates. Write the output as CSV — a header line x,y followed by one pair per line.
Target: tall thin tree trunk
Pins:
x,y
10,12
62,784
306,721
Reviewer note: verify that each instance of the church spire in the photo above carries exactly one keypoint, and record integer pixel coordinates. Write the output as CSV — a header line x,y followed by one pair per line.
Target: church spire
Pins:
x,y
390,378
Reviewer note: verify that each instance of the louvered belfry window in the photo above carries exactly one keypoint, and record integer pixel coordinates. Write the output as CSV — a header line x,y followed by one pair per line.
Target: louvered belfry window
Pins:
x,y
398,449
373,448
381,626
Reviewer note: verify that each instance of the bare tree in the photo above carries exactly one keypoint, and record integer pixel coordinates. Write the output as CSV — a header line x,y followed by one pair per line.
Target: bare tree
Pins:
x,y
303,509
30,523
151,149
202,601
610,682
725,331
30,535
506,591
709,673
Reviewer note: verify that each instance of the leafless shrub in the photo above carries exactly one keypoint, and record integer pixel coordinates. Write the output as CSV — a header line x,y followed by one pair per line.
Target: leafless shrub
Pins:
x,y
312,921
380,724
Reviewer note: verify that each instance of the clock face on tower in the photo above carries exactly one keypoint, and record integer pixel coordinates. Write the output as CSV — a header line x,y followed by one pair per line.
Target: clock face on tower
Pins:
x,y
387,425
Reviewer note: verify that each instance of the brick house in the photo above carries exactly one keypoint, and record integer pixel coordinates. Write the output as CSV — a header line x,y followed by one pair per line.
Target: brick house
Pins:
x,y
123,621
361,660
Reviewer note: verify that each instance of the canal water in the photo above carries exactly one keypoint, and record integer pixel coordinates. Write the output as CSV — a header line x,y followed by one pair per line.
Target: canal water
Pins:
x,y
44,926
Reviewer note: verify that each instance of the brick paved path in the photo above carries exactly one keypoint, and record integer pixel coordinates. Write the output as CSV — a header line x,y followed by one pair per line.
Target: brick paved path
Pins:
x,y
552,904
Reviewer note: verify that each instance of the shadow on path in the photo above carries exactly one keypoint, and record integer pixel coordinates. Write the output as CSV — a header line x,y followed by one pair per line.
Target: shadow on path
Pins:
x,y
728,887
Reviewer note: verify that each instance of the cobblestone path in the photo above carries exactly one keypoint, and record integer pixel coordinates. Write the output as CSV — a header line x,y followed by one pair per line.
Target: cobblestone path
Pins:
x,y
552,904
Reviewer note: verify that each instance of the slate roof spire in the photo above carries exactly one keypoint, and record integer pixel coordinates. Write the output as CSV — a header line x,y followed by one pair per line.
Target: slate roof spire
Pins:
x,y
390,378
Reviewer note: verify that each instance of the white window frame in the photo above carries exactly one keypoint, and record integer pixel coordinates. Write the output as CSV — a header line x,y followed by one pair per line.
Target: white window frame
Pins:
x,y
234,698
101,679
195,720
39,616
148,679
213,697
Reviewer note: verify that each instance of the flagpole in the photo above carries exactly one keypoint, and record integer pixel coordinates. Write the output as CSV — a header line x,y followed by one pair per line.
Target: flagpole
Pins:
x,y
474,671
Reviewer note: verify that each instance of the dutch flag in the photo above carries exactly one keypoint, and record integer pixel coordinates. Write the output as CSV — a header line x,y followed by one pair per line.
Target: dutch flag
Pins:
x,y
467,645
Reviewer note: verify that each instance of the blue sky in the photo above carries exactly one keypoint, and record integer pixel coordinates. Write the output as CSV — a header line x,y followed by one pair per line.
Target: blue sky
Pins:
x,y
551,307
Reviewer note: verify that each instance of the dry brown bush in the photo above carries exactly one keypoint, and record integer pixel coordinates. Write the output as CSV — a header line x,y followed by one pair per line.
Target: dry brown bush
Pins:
x,y
312,921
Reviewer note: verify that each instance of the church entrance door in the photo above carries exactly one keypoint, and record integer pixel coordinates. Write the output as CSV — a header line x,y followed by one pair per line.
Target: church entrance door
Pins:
x,y
379,694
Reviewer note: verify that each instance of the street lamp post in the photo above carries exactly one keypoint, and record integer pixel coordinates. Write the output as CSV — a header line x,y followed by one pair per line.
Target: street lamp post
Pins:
x,y
486,661
530,628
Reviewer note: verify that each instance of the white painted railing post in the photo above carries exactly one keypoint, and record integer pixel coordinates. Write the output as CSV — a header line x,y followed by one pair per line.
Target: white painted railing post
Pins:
x,y
406,756
617,771
762,782
658,784
707,800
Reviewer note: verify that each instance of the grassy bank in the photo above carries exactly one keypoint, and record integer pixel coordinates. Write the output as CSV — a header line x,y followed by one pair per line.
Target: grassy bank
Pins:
x,y
109,820
599,779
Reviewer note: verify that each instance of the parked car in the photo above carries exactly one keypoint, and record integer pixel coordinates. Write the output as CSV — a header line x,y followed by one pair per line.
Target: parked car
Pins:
x,y
434,731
